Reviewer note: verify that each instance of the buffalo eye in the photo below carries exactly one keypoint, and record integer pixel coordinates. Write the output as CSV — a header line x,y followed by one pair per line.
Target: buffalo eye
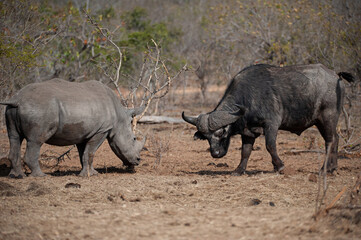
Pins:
x,y
219,132
134,139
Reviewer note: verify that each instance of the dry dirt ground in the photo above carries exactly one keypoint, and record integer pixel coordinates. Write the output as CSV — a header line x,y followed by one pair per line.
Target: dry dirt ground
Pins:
x,y
180,192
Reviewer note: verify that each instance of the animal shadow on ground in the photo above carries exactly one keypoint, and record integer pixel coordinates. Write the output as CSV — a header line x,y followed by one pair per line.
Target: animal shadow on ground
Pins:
x,y
100,171
4,170
214,173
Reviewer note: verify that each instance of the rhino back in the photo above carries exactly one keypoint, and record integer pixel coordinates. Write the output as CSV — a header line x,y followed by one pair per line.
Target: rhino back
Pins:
x,y
63,113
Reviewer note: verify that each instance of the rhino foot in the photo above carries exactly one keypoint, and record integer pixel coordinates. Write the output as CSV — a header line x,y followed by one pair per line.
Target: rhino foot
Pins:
x,y
84,172
16,174
37,174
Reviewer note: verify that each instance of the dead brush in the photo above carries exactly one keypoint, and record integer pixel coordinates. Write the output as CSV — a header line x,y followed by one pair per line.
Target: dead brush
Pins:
x,y
159,147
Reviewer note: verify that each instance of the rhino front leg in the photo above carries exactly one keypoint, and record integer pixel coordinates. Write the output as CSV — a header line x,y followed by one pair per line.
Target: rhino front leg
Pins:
x,y
87,152
32,158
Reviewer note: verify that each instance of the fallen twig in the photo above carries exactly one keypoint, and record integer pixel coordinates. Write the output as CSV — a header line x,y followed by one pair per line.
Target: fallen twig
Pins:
x,y
62,156
293,151
324,211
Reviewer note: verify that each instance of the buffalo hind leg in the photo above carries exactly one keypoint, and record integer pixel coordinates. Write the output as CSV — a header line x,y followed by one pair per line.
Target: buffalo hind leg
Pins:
x,y
87,155
271,136
32,158
247,145
328,132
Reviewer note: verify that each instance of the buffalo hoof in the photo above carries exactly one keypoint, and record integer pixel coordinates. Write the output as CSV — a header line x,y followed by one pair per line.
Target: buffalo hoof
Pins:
x,y
331,169
130,169
238,172
280,170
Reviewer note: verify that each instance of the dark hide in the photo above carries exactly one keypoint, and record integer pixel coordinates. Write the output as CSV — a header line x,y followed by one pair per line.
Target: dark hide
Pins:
x,y
262,99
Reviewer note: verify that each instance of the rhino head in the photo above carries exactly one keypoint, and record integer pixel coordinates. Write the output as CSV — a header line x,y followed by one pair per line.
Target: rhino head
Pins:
x,y
216,128
122,140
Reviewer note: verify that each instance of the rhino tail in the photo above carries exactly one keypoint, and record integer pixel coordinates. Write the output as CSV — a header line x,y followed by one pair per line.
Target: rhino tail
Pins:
x,y
347,76
11,104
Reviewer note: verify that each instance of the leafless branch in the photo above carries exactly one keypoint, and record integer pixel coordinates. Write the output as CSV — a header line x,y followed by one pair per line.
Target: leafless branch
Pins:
x,y
107,34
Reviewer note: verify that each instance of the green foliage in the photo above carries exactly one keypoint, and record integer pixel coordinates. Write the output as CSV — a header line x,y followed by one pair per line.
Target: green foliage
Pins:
x,y
138,37
18,55
136,19
287,32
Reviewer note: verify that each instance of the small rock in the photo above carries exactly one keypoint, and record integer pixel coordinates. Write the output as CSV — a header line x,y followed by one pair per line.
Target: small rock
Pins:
x,y
72,185
255,201
194,182
272,204
222,165
312,178
89,211
135,200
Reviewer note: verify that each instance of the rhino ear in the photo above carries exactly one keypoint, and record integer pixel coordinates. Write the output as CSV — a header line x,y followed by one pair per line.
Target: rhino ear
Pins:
x,y
135,111
199,136
218,119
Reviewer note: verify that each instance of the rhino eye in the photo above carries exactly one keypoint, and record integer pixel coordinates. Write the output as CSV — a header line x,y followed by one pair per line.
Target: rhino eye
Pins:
x,y
219,132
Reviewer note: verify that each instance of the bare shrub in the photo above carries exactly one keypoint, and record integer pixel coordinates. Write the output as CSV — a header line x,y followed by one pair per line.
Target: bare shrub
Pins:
x,y
159,147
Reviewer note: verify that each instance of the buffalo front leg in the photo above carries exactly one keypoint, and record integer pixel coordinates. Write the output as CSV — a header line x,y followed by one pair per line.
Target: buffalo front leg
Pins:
x,y
87,154
247,146
271,136
32,158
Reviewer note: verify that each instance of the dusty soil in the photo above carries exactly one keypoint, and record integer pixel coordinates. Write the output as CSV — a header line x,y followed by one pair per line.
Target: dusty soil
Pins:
x,y
180,192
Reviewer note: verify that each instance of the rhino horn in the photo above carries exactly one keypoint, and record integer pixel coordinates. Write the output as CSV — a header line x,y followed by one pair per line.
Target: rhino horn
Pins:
x,y
218,119
191,120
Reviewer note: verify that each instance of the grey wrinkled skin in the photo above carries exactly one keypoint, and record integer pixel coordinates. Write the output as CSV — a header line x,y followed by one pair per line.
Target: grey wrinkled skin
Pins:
x,y
62,113
263,99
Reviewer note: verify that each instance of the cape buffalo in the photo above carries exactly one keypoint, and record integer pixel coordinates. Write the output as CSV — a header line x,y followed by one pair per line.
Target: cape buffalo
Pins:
x,y
63,113
262,99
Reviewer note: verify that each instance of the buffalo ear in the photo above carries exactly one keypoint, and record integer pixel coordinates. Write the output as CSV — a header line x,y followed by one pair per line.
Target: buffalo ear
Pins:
x,y
240,112
135,111
199,136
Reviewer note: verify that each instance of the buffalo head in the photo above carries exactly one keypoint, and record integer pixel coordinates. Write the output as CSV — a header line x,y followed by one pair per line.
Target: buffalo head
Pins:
x,y
216,128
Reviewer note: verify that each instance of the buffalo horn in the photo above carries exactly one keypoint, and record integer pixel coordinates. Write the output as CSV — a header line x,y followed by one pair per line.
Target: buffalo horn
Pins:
x,y
191,120
218,119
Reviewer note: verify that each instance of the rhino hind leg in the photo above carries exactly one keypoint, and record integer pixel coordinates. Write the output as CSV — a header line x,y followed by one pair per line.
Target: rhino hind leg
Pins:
x,y
86,154
32,158
15,139
15,158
